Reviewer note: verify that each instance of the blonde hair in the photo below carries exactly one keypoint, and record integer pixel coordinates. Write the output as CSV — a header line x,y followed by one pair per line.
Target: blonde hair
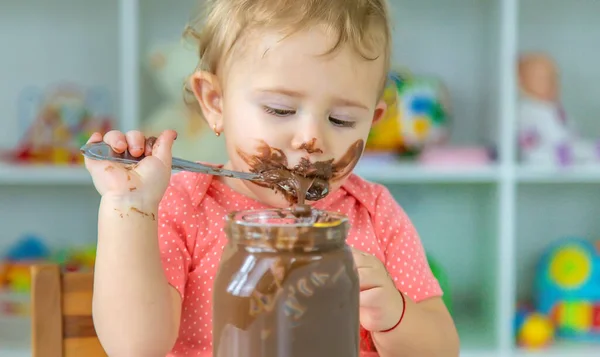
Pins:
x,y
364,24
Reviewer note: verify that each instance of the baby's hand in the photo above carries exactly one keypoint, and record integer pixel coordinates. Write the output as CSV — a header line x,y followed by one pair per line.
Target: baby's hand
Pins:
x,y
148,179
381,304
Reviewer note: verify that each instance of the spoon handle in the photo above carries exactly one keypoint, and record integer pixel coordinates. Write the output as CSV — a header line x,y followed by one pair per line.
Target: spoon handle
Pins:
x,y
103,151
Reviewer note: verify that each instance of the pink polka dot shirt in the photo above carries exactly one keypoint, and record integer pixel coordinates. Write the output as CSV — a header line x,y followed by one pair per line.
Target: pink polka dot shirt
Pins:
x,y
191,218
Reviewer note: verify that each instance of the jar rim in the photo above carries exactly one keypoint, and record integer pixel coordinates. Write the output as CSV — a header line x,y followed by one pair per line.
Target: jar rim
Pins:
x,y
281,230
285,216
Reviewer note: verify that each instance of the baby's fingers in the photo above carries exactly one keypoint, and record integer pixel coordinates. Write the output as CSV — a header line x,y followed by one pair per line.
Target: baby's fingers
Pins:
x,y
95,138
136,142
97,168
162,147
116,140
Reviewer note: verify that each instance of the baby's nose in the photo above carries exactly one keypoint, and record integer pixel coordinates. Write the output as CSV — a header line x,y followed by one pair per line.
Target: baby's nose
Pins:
x,y
309,139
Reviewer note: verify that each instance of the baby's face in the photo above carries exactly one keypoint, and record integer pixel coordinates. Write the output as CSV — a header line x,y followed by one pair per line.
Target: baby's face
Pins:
x,y
286,97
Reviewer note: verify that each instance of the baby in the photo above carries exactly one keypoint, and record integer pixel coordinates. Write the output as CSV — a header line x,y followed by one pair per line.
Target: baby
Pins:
x,y
292,80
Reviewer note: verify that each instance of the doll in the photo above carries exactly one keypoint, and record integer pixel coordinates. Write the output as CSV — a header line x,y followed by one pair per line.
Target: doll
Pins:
x,y
547,136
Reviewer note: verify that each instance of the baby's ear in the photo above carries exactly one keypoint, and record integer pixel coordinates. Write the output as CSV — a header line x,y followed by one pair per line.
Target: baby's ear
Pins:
x,y
207,90
379,111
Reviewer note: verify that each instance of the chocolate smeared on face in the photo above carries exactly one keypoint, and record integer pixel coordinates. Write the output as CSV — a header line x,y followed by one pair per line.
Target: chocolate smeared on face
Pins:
x,y
271,164
311,147
307,180
344,166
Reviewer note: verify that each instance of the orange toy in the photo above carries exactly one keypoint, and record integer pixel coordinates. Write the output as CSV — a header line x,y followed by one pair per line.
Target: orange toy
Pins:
x,y
16,277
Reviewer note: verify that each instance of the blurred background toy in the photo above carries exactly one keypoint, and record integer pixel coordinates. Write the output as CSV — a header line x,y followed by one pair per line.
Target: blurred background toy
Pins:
x,y
15,264
567,288
56,123
76,259
547,135
442,277
170,64
15,279
417,116
534,330
30,249
455,156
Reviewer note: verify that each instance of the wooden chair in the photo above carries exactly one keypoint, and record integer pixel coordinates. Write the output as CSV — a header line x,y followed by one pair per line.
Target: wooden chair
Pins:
x,y
61,305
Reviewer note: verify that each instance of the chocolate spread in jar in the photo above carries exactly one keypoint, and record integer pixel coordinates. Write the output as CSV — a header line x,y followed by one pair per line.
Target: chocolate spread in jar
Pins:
x,y
286,287
272,164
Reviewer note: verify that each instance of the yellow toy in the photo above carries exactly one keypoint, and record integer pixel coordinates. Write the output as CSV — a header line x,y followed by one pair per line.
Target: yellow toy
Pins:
x,y
536,331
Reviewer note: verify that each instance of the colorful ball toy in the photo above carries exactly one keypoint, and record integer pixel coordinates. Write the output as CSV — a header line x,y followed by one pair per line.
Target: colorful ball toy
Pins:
x,y
417,115
568,289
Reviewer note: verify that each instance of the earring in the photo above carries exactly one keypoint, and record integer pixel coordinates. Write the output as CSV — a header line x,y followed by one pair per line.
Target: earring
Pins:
x,y
217,133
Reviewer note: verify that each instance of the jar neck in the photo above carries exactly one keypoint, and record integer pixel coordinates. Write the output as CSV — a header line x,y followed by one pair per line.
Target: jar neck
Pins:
x,y
279,231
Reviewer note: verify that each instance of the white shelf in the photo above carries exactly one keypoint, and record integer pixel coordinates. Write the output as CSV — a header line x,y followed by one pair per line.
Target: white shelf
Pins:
x,y
43,175
478,353
15,334
387,173
394,173
589,174
14,352
562,350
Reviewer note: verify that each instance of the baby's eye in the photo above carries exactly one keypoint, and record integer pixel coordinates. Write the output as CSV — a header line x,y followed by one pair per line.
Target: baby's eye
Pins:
x,y
342,123
279,112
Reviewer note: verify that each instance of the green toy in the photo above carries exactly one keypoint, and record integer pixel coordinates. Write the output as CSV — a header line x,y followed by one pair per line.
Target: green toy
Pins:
x,y
440,274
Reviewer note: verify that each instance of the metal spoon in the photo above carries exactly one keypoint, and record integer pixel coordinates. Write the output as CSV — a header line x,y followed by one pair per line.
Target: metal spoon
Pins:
x,y
102,151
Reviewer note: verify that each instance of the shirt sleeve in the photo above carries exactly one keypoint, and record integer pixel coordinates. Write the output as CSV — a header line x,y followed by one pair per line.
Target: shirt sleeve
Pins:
x,y
405,257
176,233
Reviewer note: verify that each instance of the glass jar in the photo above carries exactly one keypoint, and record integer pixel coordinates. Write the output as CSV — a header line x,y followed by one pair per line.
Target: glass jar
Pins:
x,y
286,286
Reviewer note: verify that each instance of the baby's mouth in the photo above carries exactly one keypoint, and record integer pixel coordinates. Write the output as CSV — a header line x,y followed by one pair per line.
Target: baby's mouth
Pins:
x,y
308,177
316,177
307,180
320,170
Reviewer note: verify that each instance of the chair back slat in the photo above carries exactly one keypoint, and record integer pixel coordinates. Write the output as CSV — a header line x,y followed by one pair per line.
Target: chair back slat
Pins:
x,y
62,323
